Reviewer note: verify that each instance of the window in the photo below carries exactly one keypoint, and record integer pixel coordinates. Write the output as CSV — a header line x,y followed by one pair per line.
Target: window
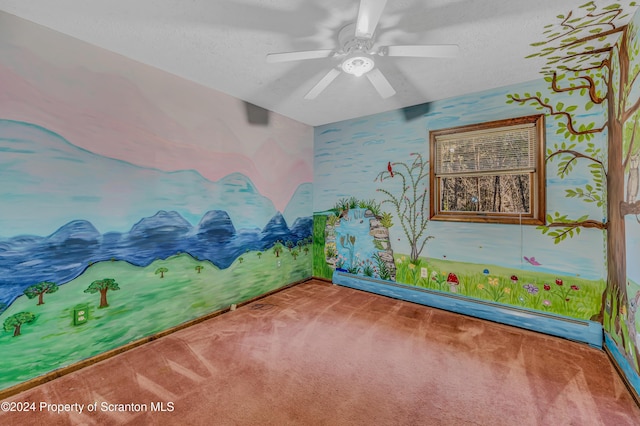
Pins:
x,y
489,172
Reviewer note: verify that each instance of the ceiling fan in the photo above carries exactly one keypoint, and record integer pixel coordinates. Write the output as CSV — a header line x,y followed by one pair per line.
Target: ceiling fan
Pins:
x,y
356,49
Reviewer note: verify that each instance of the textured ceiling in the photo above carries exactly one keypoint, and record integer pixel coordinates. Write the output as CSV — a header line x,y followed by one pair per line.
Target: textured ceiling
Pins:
x,y
222,44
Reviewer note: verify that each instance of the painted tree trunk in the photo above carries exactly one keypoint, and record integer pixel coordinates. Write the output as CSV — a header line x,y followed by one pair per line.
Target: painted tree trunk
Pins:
x,y
616,237
616,243
103,298
16,330
40,298
414,251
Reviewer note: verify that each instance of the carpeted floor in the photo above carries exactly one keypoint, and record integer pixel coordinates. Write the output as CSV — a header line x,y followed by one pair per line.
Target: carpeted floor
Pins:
x,y
319,354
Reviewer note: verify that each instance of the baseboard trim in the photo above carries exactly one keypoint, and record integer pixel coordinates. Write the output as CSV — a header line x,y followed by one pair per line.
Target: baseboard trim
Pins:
x,y
583,331
619,363
47,377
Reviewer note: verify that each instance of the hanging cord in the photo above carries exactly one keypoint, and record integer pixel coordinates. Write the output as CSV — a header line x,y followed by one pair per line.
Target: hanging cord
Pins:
x,y
521,242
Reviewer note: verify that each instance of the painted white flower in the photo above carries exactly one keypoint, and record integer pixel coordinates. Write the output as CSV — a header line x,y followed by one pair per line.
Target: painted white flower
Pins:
x,y
424,273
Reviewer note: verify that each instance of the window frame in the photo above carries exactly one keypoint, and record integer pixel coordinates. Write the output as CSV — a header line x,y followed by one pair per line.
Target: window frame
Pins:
x,y
537,200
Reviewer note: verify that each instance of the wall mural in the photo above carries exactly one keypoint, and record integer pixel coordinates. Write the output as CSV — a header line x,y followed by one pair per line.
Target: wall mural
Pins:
x,y
595,60
385,232
582,264
133,201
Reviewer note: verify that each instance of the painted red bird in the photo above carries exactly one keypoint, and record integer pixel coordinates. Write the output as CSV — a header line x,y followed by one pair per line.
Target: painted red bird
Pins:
x,y
390,168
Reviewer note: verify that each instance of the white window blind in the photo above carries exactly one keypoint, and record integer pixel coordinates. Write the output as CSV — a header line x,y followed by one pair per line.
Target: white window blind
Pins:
x,y
493,151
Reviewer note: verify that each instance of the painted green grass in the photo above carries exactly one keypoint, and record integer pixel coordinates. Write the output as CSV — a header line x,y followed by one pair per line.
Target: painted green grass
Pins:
x,y
320,267
617,322
145,304
581,302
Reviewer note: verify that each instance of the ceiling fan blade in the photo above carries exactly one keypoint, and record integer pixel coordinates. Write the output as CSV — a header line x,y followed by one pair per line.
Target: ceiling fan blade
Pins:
x,y
423,51
369,14
381,83
322,84
298,56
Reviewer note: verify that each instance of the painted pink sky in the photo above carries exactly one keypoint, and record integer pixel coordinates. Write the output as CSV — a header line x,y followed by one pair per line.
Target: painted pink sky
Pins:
x,y
122,109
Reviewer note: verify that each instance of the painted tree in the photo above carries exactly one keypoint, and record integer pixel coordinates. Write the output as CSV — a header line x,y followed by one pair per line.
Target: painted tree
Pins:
x,y
39,290
589,57
199,268
277,248
410,203
15,322
161,270
102,286
290,244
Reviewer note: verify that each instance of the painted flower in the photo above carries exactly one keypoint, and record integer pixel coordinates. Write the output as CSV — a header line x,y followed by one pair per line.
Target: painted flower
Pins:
x,y
546,303
507,290
399,260
547,287
412,266
575,287
481,286
531,289
558,281
493,281
424,273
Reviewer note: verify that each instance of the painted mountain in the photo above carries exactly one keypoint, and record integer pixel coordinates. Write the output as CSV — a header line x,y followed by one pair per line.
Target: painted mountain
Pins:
x,y
65,254
54,183
52,179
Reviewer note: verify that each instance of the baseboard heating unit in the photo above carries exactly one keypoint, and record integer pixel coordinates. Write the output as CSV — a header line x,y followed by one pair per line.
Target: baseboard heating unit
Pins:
x,y
589,332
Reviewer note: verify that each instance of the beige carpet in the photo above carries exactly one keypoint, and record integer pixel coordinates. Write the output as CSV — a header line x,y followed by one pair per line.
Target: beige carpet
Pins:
x,y
319,354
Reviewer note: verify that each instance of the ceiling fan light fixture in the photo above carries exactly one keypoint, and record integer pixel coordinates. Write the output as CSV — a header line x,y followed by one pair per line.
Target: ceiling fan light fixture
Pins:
x,y
358,65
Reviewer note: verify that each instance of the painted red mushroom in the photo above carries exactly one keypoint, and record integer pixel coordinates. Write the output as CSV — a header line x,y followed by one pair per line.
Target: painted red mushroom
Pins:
x,y
514,279
452,280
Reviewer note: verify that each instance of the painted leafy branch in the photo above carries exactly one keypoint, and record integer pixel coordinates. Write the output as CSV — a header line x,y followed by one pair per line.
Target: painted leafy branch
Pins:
x,y
567,227
580,52
410,203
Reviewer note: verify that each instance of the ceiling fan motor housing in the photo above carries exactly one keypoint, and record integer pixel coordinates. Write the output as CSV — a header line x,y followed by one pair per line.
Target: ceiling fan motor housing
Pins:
x,y
358,61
